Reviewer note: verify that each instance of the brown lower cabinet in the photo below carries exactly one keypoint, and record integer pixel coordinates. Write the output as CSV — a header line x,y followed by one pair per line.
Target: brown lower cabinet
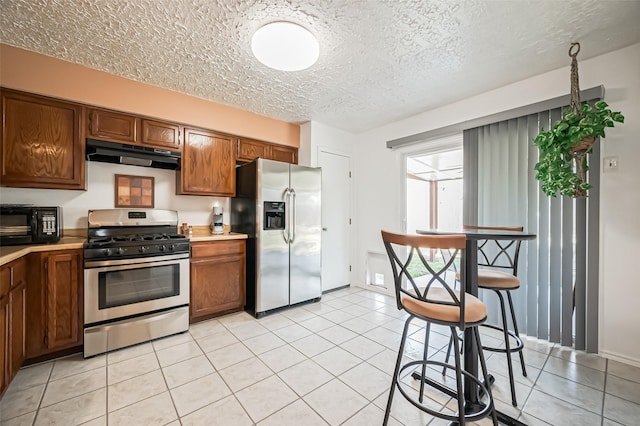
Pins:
x,y
12,320
217,278
54,301
4,343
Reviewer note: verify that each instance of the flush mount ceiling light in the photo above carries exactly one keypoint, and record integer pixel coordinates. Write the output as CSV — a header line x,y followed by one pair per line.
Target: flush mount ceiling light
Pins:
x,y
285,46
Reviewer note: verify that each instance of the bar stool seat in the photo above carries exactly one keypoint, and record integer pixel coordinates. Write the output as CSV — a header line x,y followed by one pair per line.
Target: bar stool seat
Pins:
x,y
489,279
474,310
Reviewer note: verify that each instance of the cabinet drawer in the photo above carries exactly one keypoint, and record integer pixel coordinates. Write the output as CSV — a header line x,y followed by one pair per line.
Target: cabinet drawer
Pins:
x,y
218,248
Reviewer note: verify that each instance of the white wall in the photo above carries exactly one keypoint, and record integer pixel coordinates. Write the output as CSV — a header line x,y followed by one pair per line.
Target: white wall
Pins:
x,y
194,210
378,181
304,151
329,138
315,136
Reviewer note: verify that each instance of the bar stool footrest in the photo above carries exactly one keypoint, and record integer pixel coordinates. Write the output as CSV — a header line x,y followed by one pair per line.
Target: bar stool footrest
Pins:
x,y
485,410
519,343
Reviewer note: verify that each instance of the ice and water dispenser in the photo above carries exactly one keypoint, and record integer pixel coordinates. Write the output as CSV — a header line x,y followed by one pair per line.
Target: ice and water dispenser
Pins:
x,y
274,215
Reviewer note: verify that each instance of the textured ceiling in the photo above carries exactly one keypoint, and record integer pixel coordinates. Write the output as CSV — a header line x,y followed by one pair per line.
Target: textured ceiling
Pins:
x,y
380,60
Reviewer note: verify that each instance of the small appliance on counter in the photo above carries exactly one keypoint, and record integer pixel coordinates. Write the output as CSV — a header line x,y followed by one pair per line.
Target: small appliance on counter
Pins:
x,y
216,226
27,224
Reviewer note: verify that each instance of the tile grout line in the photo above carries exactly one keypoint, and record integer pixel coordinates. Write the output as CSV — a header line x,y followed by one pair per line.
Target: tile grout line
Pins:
x,y
106,390
46,385
604,390
212,366
155,352
524,404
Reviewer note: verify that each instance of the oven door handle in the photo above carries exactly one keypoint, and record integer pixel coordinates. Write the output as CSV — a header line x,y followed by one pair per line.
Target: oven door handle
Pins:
x,y
136,262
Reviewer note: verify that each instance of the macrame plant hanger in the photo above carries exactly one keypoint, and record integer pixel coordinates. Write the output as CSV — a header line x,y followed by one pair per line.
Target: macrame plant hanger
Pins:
x,y
579,150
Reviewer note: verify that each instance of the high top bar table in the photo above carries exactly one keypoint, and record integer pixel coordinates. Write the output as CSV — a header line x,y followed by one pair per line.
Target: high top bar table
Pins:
x,y
471,286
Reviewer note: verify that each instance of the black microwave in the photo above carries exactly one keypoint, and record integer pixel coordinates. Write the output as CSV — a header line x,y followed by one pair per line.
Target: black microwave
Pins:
x,y
23,224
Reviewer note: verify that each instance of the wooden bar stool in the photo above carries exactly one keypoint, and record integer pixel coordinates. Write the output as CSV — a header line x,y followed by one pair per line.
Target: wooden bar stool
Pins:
x,y
435,301
502,257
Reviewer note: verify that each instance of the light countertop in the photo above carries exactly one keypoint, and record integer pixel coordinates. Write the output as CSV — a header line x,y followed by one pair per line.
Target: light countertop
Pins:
x,y
203,233
10,253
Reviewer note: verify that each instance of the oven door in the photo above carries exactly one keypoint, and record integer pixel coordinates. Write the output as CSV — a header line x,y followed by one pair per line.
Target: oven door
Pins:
x,y
123,288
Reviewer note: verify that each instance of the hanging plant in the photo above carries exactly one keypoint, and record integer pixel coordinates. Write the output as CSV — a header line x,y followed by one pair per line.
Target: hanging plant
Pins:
x,y
562,164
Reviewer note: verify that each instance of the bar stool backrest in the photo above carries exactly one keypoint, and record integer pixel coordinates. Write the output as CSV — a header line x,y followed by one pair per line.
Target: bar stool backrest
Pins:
x,y
402,249
501,253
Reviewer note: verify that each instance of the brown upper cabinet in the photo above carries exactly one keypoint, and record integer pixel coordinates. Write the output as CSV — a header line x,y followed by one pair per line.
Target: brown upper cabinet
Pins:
x,y
208,163
288,154
250,149
121,127
160,134
42,143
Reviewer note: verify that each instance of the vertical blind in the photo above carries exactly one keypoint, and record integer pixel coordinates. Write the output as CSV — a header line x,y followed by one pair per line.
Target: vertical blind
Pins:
x,y
501,190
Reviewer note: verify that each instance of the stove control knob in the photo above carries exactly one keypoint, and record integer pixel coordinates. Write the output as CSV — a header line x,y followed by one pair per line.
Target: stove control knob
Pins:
x,y
172,247
119,250
143,249
107,252
163,247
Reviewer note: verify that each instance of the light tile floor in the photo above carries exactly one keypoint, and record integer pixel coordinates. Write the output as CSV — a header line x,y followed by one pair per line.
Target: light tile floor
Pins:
x,y
323,363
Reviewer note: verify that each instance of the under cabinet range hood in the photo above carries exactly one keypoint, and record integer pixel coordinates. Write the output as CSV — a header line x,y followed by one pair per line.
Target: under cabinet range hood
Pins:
x,y
134,155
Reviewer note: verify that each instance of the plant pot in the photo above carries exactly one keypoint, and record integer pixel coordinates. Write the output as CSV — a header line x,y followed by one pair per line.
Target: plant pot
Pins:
x,y
583,145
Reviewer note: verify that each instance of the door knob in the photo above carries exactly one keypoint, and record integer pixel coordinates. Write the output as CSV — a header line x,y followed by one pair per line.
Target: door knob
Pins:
x,y
324,229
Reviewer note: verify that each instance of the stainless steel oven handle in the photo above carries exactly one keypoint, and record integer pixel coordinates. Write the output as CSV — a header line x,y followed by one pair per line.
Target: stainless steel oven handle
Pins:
x,y
138,260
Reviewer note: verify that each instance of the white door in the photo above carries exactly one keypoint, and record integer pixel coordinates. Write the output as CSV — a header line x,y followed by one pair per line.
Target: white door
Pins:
x,y
336,217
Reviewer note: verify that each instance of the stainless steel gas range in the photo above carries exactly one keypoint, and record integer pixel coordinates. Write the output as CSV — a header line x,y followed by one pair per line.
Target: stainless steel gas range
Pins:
x,y
136,278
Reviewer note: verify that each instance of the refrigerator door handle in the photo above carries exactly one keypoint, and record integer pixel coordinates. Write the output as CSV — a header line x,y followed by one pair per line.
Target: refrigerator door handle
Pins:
x,y
293,215
286,196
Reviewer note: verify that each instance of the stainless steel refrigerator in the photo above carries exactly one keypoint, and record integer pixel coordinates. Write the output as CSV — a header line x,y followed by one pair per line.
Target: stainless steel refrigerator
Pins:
x,y
278,206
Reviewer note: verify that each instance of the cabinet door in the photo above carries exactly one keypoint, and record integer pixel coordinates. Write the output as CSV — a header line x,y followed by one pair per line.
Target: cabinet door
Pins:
x,y
287,154
17,312
217,278
42,142
62,300
208,164
161,135
217,285
4,343
112,126
249,149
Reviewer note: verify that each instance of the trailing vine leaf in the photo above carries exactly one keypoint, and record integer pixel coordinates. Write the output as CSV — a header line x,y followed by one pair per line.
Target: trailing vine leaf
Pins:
x,y
557,168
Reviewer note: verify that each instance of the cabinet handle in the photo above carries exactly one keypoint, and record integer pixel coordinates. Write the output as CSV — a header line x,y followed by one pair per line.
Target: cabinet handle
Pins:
x,y
91,122
10,277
